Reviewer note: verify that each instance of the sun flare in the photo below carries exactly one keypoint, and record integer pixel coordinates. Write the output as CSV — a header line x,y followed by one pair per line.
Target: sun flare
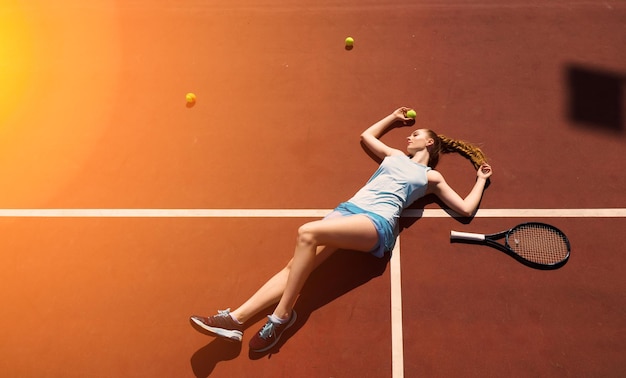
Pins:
x,y
15,60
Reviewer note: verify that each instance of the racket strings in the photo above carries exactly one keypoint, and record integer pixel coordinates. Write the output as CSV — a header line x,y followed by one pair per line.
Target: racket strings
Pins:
x,y
539,244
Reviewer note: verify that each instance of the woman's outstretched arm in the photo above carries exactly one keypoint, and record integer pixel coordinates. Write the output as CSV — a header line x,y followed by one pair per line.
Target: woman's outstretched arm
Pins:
x,y
463,206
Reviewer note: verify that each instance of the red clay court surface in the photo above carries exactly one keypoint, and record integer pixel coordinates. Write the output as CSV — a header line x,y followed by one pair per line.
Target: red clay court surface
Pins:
x,y
93,119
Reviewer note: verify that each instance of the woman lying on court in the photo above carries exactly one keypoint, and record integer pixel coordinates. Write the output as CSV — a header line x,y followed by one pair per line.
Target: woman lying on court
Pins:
x,y
367,222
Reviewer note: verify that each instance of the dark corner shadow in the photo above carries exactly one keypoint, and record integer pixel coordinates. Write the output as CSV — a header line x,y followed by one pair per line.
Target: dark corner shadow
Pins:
x,y
595,98
342,272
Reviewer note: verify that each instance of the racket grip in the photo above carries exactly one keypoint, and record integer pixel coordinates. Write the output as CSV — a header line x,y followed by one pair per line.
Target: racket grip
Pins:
x,y
466,236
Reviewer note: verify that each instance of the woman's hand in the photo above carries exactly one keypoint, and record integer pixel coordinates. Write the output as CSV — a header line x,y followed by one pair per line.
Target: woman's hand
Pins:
x,y
484,171
400,115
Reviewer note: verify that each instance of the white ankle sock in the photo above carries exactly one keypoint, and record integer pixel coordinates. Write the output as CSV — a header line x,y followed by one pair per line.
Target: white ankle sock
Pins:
x,y
277,320
235,319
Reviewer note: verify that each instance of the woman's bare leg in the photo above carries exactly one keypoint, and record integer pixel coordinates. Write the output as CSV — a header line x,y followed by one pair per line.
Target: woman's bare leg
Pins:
x,y
355,232
273,289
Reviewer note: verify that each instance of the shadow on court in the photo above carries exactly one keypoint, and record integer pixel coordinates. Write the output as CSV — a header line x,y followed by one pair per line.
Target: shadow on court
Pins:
x,y
206,358
595,98
339,274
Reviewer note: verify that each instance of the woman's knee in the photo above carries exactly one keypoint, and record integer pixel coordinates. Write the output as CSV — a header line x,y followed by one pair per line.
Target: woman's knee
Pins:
x,y
307,235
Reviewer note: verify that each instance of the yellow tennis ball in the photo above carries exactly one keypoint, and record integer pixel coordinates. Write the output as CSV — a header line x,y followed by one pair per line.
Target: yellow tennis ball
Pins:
x,y
190,97
349,41
411,114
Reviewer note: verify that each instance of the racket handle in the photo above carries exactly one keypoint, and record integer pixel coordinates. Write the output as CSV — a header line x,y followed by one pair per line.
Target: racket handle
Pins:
x,y
466,236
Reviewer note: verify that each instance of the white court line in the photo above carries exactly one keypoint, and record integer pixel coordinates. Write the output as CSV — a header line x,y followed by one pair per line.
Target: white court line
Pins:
x,y
397,341
303,213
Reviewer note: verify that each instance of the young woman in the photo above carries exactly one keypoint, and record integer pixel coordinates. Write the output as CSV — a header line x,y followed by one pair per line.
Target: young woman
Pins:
x,y
367,222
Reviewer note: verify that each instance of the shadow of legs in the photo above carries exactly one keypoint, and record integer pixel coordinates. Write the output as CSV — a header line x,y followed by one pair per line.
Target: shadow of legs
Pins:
x,y
339,274
206,358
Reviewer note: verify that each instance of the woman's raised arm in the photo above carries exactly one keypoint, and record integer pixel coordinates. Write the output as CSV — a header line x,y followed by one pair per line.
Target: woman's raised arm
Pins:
x,y
370,137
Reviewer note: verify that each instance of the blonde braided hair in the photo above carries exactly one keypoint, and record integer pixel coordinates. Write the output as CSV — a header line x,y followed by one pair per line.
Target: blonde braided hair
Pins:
x,y
445,145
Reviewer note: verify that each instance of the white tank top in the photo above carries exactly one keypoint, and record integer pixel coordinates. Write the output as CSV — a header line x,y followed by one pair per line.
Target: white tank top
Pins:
x,y
396,184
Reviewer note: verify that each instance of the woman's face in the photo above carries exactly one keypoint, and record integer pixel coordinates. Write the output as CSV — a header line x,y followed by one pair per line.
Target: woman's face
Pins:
x,y
418,140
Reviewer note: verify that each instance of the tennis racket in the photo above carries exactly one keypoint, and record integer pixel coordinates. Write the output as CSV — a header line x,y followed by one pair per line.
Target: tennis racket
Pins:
x,y
538,245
